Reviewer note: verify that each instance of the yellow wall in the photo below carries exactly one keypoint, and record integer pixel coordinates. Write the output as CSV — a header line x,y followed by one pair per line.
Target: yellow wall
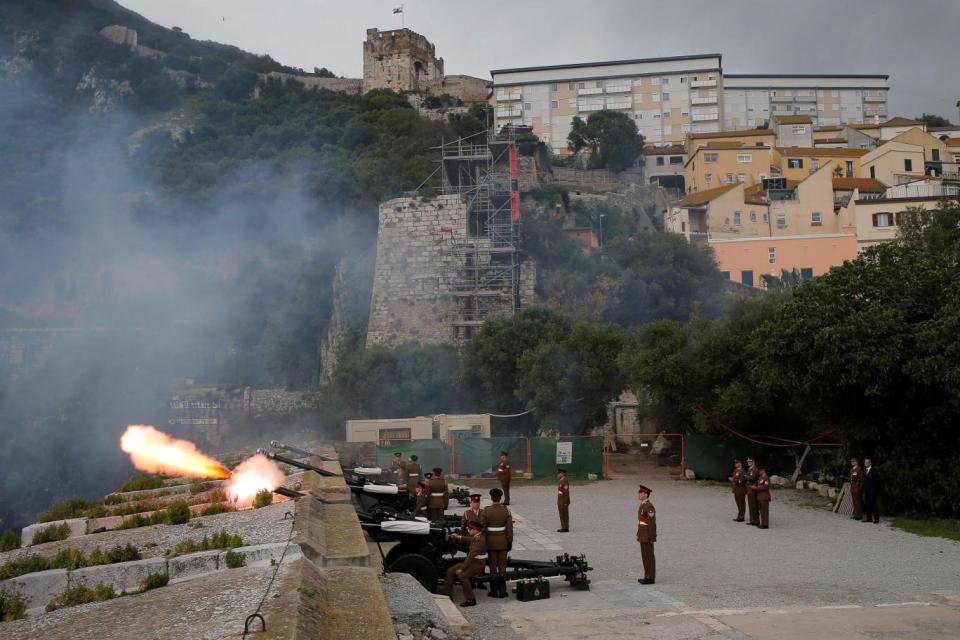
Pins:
x,y
887,161
421,428
823,158
698,168
916,136
861,214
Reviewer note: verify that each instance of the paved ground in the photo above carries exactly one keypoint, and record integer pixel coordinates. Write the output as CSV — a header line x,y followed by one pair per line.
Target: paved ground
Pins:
x,y
813,571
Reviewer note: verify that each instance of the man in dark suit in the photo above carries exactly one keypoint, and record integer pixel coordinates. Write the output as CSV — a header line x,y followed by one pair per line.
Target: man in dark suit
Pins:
x,y
871,489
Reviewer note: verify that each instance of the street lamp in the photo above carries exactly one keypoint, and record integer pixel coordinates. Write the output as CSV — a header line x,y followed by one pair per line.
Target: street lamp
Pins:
x,y
601,229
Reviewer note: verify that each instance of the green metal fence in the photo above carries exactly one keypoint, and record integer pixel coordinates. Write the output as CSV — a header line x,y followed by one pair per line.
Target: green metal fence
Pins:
x,y
585,455
431,453
478,457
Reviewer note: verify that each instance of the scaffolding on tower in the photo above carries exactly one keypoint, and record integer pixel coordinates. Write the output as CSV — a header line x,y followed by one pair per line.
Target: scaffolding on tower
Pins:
x,y
483,170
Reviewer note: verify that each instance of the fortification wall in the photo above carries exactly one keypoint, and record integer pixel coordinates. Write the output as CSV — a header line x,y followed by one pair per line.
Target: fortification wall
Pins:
x,y
412,298
466,88
400,60
351,86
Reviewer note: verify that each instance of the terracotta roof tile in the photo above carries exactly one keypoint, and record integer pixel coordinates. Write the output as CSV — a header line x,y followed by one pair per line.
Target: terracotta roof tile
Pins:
x,y
952,142
830,127
901,122
673,149
732,134
703,197
822,151
793,119
868,185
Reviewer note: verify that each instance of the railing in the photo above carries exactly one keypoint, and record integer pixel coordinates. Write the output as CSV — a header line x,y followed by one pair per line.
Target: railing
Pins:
x,y
589,91
874,98
620,104
704,100
703,83
509,112
589,107
508,96
805,98
781,98
698,236
619,88
701,117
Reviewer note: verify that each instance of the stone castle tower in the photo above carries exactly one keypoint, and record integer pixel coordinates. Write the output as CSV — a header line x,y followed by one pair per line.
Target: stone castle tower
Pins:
x,y
400,60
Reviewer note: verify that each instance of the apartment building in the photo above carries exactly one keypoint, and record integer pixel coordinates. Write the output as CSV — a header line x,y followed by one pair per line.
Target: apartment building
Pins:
x,y
894,163
797,163
664,165
751,100
667,97
878,220
719,163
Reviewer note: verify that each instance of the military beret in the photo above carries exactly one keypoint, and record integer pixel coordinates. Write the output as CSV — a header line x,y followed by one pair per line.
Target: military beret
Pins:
x,y
414,458
437,470
496,493
646,490
504,453
559,470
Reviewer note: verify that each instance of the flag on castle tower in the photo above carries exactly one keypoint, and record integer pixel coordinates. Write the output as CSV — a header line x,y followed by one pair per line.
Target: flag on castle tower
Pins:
x,y
398,9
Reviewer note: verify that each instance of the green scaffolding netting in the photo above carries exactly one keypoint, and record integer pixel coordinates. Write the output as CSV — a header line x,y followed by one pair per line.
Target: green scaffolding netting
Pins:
x,y
479,456
587,456
430,454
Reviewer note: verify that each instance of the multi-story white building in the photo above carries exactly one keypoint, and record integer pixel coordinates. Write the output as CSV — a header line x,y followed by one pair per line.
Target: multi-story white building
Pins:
x,y
667,97
750,100
671,97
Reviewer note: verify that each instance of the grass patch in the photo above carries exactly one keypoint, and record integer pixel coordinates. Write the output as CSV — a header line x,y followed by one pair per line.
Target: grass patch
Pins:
x,y
217,507
307,591
12,606
142,482
9,541
52,533
82,594
221,540
71,559
263,499
155,581
178,512
23,565
930,527
71,508
235,560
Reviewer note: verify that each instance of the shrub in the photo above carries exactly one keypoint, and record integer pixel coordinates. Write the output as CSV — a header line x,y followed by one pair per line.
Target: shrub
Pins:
x,y
217,507
235,560
52,533
81,594
23,565
98,511
9,541
126,553
134,522
97,557
142,482
221,540
224,540
71,508
155,581
263,499
113,498
69,559
178,512
197,486
12,606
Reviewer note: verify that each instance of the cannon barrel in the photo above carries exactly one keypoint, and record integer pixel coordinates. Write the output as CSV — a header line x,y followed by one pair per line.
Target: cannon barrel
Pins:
x,y
295,463
289,493
276,444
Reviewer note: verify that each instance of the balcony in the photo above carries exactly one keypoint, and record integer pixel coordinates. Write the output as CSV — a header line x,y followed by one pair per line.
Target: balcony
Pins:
x,y
704,117
698,236
589,107
874,98
508,96
509,112
805,98
703,83
704,100
781,98
619,88
619,104
589,91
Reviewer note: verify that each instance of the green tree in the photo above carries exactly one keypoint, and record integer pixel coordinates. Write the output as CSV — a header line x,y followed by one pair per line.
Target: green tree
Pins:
x,y
611,137
934,120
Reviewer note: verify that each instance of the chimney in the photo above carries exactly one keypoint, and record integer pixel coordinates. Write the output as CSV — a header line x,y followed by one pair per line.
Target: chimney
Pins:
x,y
958,110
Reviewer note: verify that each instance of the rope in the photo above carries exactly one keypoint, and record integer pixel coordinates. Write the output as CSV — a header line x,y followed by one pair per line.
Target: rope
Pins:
x,y
793,443
510,415
293,520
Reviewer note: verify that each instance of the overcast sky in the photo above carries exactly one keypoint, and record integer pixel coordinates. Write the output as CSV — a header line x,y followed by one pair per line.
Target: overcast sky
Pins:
x,y
914,42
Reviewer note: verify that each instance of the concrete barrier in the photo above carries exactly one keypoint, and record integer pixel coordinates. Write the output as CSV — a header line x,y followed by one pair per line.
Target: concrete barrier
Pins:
x,y
124,577
38,589
78,527
194,564
258,553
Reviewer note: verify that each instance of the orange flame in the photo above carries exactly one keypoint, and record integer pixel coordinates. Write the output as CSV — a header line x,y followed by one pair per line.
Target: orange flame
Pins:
x,y
155,452
251,476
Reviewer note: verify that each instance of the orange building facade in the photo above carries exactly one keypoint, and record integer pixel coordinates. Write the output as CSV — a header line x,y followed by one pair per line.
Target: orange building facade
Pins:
x,y
746,260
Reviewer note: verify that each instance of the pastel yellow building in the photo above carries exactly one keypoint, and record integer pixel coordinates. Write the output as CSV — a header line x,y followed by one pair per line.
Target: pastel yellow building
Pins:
x,y
728,162
894,163
796,163
934,149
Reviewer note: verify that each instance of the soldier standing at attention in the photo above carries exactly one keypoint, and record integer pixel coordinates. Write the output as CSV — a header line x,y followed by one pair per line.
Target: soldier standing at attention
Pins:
x,y
563,500
503,475
871,490
647,535
421,497
470,515
498,527
856,489
439,498
413,474
739,489
399,468
473,565
762,491
751,477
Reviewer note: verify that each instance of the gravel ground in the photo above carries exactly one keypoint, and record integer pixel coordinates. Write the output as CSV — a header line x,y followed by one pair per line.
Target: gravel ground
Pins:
x,y
256,526
808,557
412,605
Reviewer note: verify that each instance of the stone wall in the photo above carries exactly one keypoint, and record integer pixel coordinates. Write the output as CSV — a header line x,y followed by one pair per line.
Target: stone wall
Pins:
x,y
466,88
351,86
412,298
400,60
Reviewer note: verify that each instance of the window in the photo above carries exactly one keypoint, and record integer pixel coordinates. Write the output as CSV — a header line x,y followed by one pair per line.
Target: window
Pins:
x,y
682,80
936,154
781,220
684,113
666,96
815,164
654,81
746,277
766,217
711,157
725,275
527,106
728,179
676,159
571,86
873,172
806,273
665,80
744,158
741,178
772,255
598,84
581,85
795,163
850,168
656,97
554,104
881,219
737,218
685,128
815,219
659,161
656,115
667,129
554,88
753,216
708,178
907,164
799,130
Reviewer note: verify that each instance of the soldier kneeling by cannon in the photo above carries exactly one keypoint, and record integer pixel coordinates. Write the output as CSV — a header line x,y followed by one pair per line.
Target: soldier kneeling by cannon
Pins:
x,y
472,565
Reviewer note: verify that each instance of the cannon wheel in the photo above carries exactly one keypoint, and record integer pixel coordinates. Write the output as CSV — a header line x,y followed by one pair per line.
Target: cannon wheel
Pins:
x,y
417,565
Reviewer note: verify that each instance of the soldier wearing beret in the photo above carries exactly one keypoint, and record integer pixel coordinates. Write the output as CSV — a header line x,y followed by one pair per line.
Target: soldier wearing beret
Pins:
x,y
498,526
439,498
472,514
563,500
413,473
399,468
473,565
762,490
420,497
739,482
751,477
503,475
647,535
